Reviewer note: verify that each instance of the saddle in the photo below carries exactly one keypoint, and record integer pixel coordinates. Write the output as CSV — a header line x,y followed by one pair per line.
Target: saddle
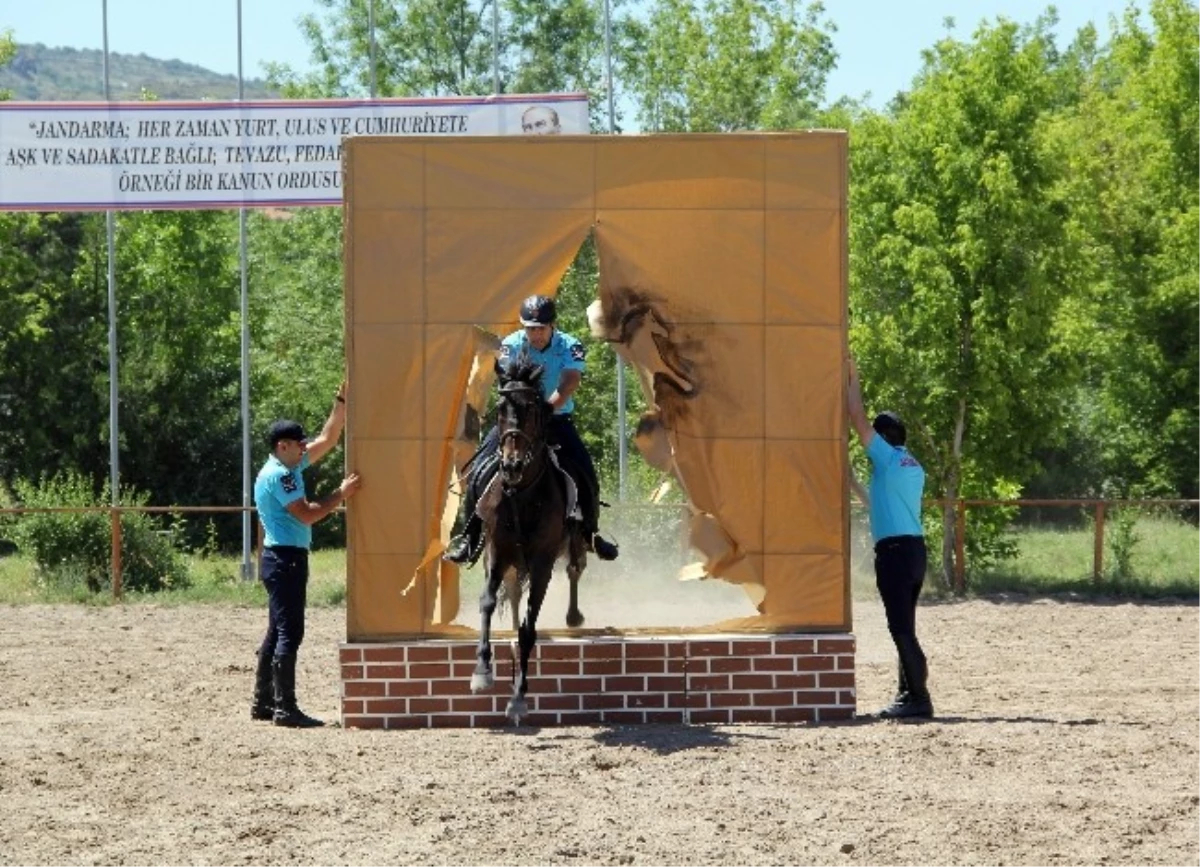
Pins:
x,y
489,488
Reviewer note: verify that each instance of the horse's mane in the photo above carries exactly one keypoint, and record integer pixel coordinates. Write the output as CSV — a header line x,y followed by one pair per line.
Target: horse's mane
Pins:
x,y
522,369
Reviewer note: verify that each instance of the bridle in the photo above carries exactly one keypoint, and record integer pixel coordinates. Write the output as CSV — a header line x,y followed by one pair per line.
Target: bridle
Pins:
x,y
530,446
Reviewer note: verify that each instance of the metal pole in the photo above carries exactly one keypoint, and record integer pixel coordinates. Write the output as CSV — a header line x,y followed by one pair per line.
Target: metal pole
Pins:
x,y
495,46
622,422
114,431
371,36
247,489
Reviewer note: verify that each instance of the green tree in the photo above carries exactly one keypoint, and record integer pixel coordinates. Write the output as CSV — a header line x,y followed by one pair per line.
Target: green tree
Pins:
x,y
8,50
727,66
955,263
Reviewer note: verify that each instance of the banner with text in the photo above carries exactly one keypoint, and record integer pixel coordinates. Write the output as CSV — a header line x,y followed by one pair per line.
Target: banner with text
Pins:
x,y
184,155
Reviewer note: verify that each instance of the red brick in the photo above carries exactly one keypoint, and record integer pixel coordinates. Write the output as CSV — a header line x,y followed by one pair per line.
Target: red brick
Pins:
x,y
774,663
601,666
677,666
645,700
794,646
407,687
407,722
352,707
558,667
388,706
450,687
729,699
677,649
664,717
708,648
557,702
845,662
350,654
835,678
696,666
352,672
449,721
383,654
462,670
752,648
664,684
795,681
556,651
645,650
429,653
624,684
645,666
814,696
581,718
846,697
785,698
835,645
831,714
795,714
473,704
708,682
542,719
733,663
624,717
753,715
359,688
363,722
601,701
463,651
576,685
708,716
387,672
752,681
606,650
542,686
440,704
490,720
429,671
814,663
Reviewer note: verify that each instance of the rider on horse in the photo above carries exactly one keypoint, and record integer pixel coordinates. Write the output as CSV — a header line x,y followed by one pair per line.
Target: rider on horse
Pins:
x,y
563,360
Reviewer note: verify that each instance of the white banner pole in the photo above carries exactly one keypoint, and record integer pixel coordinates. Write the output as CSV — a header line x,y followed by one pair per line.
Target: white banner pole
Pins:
x,y
114,456
622,421
247,478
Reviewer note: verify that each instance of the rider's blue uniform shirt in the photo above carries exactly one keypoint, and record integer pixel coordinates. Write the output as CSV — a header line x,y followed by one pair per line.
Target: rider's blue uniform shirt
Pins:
x,y
276,487
897,484
563,352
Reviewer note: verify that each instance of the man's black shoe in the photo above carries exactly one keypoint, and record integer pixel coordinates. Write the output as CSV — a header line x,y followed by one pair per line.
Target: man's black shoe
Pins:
x,y
908,707
604,549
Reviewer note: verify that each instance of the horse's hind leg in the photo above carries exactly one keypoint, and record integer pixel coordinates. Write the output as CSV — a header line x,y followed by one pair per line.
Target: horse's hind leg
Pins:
x,y
527,637
483,678
576,564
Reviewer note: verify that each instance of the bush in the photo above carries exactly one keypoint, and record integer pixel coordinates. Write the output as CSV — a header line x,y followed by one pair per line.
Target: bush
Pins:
x,y
73,549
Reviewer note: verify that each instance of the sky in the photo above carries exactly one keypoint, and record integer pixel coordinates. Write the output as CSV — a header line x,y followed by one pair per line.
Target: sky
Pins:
x,y
878,42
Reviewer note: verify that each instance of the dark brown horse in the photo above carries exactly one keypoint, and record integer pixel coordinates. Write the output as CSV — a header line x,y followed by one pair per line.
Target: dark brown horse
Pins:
x,y
527,525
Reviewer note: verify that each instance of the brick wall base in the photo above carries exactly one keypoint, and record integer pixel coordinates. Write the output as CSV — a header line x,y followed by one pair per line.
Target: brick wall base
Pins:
x,y
606,680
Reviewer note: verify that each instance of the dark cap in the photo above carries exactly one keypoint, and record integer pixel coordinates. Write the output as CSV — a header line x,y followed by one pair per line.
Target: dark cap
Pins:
x,y
889,426
284,429
538,310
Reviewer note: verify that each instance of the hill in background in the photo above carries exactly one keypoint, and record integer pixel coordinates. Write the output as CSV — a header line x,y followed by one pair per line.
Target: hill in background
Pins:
x,y
42,73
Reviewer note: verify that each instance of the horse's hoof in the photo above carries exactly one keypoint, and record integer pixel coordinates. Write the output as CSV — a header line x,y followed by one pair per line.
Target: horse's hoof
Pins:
x,y
517,708
480,682
574,619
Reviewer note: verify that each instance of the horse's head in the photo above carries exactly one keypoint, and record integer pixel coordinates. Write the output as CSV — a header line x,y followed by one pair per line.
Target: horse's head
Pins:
x,y
522,414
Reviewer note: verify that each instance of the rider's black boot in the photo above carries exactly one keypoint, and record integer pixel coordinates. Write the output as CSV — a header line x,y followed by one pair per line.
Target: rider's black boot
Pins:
x,y
466,539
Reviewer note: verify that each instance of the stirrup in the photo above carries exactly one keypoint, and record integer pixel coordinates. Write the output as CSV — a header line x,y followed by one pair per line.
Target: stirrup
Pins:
x,y
603,548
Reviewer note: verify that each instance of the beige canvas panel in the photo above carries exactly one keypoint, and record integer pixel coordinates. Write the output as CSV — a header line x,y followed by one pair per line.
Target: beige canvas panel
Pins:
x,y
709,264
391,514
803,383
679,172
385,174
389,255
518,174
804,268
806,171
804,513
481,264
388,369
806,588
376,606
725,479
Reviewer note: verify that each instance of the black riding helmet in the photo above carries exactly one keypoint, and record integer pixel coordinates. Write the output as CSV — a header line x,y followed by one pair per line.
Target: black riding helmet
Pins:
x,y
889,426
538,310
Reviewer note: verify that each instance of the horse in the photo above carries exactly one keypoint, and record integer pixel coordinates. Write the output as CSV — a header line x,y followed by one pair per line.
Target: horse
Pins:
x,y
527,526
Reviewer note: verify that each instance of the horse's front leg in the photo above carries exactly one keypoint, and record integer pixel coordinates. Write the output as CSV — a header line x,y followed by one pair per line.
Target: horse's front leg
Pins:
x,y
576,563
483,678
539,580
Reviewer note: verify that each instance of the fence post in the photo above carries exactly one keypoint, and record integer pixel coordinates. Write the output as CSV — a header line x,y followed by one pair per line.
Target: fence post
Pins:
x,y
115,514
960,546
1098,551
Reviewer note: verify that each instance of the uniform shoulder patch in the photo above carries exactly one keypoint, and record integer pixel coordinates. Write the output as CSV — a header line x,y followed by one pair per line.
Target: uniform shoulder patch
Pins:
x,y
578,352
288,481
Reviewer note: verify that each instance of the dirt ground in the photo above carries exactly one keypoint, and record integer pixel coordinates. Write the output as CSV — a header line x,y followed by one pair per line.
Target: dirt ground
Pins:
x,y
1067,734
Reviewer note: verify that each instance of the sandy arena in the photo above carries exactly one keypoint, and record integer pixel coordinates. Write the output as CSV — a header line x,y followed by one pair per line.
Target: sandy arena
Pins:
x,y
1067,734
